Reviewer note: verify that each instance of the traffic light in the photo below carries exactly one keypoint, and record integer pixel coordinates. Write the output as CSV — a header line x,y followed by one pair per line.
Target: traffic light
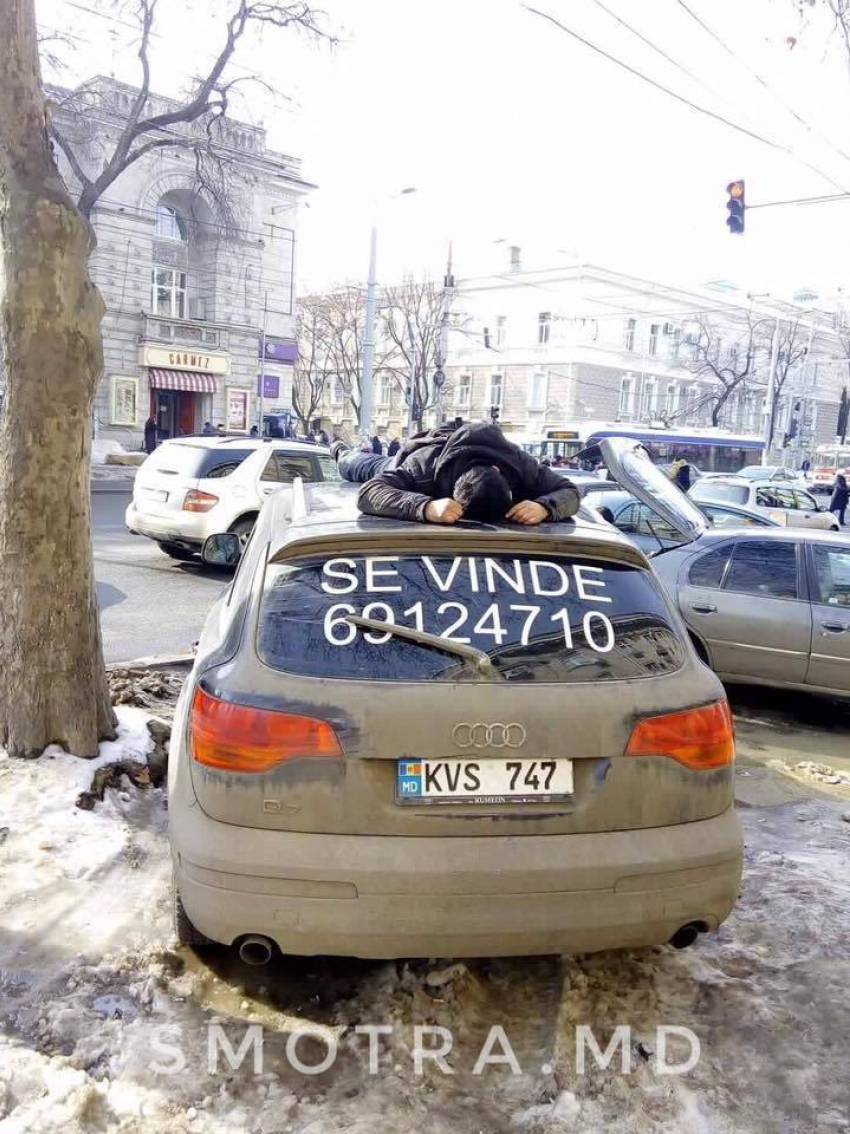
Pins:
x,y
736,206
494,414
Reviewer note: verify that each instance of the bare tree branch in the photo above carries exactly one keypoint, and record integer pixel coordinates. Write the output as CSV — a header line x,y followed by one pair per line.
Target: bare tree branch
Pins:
x,y
727,368
69,153
208,101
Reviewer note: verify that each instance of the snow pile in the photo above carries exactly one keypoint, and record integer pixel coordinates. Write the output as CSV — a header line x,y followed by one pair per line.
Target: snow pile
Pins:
x,y
101,449
108,1027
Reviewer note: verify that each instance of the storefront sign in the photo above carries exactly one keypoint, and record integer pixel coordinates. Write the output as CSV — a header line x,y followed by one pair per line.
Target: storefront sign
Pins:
x,y
236,409
268,386
124,400
183,358
278,350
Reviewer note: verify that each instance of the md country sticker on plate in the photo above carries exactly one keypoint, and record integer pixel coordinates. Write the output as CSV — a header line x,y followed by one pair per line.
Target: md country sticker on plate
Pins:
x,y
490,780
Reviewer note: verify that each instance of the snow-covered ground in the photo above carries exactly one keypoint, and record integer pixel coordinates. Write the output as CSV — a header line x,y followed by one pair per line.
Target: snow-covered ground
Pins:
x,y
106,1026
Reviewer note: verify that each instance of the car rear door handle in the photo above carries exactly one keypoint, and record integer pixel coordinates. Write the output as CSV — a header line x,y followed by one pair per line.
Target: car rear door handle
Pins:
x,y
835,627
703,607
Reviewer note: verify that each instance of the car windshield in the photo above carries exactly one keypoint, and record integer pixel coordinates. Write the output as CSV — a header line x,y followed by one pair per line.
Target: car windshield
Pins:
x,y
756,473
714,490
554,619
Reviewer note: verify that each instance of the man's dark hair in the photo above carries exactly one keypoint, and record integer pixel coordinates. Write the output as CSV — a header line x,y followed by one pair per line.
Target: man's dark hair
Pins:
x,y
483,493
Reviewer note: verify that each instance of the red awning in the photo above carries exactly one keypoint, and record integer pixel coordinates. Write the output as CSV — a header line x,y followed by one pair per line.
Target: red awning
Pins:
x,y
182,380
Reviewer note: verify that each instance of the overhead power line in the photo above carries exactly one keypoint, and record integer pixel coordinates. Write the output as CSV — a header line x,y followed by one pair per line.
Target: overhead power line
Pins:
x,y
761,81
678,97
653,83
660,51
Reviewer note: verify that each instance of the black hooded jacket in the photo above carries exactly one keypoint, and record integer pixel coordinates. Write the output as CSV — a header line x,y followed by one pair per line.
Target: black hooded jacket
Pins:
x,y
428,465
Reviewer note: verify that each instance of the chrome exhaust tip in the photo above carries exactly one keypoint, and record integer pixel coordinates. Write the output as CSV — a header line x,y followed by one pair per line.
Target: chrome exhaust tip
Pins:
x,y
256,950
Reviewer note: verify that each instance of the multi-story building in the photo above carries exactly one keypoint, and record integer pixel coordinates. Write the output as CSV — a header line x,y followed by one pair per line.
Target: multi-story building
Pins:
x,y
195,281
580,343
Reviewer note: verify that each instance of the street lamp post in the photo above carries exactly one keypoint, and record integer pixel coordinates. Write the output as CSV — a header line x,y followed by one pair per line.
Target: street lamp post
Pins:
x,y
368,368
366,380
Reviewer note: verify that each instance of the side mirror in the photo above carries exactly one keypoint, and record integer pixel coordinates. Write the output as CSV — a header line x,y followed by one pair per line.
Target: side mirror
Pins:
x,y
223,550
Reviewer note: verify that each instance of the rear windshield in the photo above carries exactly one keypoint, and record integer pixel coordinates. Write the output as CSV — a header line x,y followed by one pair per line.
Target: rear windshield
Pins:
x,y
328,466
197,461
550,620
730,493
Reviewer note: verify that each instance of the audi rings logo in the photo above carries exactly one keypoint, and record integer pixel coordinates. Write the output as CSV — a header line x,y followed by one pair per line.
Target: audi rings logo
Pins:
x,y
489,735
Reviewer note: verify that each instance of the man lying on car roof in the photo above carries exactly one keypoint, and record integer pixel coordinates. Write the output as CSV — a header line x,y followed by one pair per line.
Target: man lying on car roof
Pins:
x,y
471,472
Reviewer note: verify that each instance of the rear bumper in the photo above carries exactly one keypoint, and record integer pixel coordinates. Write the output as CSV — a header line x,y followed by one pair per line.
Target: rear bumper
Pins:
x,y
185,528
372,896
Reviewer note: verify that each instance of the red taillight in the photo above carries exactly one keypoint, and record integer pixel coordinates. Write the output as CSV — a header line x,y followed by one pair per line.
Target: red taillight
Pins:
x,y
239,738
698,738
199,501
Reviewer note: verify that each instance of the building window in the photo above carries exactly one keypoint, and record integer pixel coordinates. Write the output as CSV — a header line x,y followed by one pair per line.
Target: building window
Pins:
x,y
653,338
691,401
501,330
675,342
672,399
544,326
384,390
497,390
625,406
463,390
649,403
168,292
169,224
335,390
537,383
629,337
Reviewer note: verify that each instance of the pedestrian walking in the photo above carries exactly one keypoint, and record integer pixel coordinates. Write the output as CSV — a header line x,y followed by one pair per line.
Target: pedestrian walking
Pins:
x,y
680,474
377,447
393,447
150,434
840,497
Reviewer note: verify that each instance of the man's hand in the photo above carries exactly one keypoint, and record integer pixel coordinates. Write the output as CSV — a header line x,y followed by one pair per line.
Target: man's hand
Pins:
x,y
528,512
443,511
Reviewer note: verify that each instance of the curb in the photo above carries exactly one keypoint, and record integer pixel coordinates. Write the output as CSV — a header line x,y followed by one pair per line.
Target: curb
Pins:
x,y
116,485
156,661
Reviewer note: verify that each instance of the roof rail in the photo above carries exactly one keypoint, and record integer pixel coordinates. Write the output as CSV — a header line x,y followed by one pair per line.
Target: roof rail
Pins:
x,y
299,500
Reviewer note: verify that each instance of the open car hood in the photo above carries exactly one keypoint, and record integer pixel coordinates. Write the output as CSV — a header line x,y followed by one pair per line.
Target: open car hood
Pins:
x,y
631,466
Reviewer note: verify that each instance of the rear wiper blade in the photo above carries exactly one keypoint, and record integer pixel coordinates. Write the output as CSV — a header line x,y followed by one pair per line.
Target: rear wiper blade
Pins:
x,y
422,638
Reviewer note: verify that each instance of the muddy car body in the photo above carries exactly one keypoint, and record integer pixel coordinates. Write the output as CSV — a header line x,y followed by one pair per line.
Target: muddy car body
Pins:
x,y
580,758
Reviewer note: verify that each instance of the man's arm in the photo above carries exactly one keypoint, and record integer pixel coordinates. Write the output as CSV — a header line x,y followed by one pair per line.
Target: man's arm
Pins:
x,y
558,495
393,494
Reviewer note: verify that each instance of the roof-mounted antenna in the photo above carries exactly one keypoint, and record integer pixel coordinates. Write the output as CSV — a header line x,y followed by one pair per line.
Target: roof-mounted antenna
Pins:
x,y
299,500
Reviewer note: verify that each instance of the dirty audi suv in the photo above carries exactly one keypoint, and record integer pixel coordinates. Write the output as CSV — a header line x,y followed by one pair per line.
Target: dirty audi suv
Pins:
x,y
403,739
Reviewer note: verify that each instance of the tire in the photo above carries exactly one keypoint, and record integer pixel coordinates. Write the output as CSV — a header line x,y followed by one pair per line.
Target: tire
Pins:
x,y
243,529
186,932
175,551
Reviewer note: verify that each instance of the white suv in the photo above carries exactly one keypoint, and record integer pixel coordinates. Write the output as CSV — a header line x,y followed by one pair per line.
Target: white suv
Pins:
x,y
196,487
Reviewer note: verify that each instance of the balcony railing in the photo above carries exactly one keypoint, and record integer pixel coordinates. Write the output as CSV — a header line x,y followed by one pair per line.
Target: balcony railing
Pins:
x,y
194,332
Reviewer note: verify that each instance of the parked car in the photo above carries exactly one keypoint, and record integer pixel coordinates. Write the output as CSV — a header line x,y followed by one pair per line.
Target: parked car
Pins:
x,y
190,489
771,473
401,739
652,533
764,606
788,504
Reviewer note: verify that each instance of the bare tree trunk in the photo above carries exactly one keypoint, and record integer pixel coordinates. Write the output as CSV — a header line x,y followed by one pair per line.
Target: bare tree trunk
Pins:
x,y
52,682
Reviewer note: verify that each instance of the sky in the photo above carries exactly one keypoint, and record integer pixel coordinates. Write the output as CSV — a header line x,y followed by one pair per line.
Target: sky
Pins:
x,y
513,132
